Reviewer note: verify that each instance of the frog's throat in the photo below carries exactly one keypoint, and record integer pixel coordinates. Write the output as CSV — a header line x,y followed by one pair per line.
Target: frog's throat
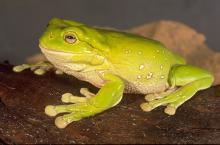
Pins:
x,y
92,59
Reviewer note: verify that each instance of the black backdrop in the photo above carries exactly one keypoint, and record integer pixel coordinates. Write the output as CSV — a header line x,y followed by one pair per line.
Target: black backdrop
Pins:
x,y
22,21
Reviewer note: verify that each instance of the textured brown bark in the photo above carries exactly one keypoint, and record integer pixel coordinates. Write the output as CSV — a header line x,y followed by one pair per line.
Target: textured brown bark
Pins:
x,y
23,97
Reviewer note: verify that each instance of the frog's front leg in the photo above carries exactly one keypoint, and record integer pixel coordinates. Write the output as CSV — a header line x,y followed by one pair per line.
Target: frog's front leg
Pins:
x,y
39,68
189,79
108,96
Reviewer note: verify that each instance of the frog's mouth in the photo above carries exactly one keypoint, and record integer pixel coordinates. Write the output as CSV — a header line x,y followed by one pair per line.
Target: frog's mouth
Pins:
x,y
77,61
54,55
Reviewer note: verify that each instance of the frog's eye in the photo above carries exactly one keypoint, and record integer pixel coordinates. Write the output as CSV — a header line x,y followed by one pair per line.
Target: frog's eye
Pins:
x,y
70,38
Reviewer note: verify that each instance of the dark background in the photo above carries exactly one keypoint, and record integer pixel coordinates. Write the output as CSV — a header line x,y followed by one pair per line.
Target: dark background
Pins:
x,y
23,21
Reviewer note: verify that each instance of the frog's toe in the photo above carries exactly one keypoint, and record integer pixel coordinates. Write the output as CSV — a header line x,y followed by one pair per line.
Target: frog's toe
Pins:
x,y
66,97
170,110
150,97
20,68
63,121
85,92
69,98
41,67
50,110
60,122
39,71
59,72
146,107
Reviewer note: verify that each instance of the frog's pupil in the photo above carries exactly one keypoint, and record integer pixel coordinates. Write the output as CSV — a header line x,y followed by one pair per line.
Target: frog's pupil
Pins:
x,y
69,37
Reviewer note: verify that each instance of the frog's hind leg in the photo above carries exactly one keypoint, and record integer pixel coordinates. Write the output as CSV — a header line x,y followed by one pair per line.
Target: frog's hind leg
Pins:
x,y
189,79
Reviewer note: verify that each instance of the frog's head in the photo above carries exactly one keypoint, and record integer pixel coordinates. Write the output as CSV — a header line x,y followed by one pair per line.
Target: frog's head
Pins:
x,y
70,42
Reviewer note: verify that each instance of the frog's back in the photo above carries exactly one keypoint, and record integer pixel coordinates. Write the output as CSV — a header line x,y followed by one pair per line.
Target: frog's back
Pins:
x,y
144,64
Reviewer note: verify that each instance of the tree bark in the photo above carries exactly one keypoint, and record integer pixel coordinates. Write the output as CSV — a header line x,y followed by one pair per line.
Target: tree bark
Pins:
x,y
24,95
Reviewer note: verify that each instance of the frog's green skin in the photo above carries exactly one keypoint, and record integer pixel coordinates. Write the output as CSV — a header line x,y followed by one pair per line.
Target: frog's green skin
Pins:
x,y
117,62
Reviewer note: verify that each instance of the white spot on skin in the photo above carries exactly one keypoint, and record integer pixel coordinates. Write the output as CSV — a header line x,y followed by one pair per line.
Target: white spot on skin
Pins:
x,y
139,52
141,67
161,67
162,77
127,51
138,76
149,75
158,51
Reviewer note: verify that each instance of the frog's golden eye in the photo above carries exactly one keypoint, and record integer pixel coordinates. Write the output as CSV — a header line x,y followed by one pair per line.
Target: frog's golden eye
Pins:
x,y
70,38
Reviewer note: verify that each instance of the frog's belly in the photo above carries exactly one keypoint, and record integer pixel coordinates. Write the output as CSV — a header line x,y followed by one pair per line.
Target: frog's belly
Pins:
x,y
94,78
146,88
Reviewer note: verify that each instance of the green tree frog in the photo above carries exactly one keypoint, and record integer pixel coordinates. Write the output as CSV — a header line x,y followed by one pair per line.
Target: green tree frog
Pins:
x,y
116,62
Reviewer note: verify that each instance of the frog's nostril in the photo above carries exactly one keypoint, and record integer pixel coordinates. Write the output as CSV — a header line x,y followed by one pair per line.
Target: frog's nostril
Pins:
x,y
51,36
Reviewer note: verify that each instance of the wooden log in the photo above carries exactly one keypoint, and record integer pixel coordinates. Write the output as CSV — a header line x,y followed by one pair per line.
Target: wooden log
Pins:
x,y
24,95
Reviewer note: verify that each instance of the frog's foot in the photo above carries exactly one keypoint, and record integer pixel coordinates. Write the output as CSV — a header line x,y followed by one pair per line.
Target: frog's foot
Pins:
x,y
172,101
190,78
69,98
75,112
39,68
151,97
108,96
